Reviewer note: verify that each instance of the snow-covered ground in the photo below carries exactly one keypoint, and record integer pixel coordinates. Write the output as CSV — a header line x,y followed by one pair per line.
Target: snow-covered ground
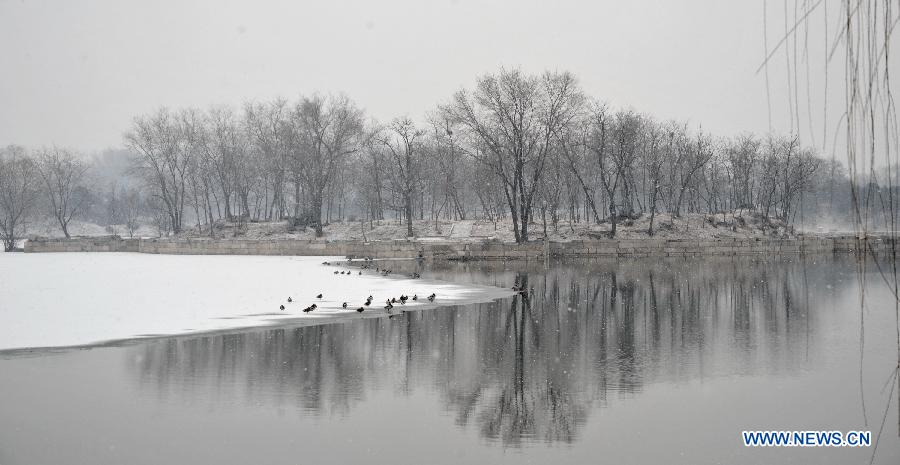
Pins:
x,y
50,228
742,224
73,299
739,224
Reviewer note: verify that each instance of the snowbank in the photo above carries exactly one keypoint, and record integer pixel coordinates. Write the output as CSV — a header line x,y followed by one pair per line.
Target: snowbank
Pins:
x,y
74,299
741,224
50,228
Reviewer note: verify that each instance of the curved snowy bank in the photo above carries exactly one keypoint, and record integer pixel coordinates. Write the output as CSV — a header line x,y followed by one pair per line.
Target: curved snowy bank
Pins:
x,y
78,299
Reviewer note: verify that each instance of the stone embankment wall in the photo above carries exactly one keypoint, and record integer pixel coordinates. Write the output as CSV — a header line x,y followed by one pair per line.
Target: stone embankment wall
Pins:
x,y
466,251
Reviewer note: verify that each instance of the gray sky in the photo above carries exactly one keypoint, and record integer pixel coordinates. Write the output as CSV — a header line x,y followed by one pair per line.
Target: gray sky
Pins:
x,y
76,72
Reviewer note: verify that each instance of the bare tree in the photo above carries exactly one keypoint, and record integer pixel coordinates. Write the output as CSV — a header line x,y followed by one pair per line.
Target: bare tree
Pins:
x,y
690,159
404,142
62,174
224,148
573,143
616,147
770,174
131,209
798,175
447,165
653,160
370,172
610,173
18,194
113,211
742,156
326,130
166,145
265,125
512,120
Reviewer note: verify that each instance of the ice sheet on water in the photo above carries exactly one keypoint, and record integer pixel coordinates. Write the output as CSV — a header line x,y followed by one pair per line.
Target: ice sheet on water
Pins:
x,y
73,299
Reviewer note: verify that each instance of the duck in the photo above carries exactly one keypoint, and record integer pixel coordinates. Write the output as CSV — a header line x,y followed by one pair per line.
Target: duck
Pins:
x,y
360,309
415,297
290,299
326,263
393,300
319,296
281,307
360,273
335,271
342,272
431,297
344,305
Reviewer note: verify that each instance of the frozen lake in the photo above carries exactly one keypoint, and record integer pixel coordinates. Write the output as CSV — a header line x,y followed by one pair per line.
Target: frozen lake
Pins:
x,y
77,299
609,361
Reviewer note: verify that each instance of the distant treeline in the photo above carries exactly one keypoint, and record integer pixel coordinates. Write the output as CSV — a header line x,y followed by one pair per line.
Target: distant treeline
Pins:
x,y
520,147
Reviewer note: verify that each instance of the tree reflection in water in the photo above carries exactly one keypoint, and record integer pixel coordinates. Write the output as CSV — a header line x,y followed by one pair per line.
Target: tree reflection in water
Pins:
x,y
532,367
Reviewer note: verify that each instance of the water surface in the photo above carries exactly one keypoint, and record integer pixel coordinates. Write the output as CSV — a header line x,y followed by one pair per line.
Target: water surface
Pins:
x,y
609,361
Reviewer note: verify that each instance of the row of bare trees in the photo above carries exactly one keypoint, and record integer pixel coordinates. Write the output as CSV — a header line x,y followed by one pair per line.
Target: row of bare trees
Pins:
x,y
515,145
524,148
545,141
272,161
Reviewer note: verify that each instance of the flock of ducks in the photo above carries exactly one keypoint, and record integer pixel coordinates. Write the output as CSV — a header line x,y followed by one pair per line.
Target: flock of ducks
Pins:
x,y
368,265
389,303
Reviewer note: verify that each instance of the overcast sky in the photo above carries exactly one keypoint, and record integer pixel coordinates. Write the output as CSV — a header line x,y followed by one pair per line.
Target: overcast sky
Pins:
x,y
76,72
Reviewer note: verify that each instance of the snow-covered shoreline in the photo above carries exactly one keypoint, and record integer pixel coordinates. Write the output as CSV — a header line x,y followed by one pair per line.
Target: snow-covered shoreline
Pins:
x,y
81,299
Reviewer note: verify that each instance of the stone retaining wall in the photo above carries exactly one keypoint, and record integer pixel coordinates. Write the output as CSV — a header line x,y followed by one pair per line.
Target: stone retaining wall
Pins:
x,y
83,244
464,251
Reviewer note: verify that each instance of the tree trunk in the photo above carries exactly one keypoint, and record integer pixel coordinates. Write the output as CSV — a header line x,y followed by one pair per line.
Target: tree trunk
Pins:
x,y
409,213
652,201
612,216
523,235
297,197
317,211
